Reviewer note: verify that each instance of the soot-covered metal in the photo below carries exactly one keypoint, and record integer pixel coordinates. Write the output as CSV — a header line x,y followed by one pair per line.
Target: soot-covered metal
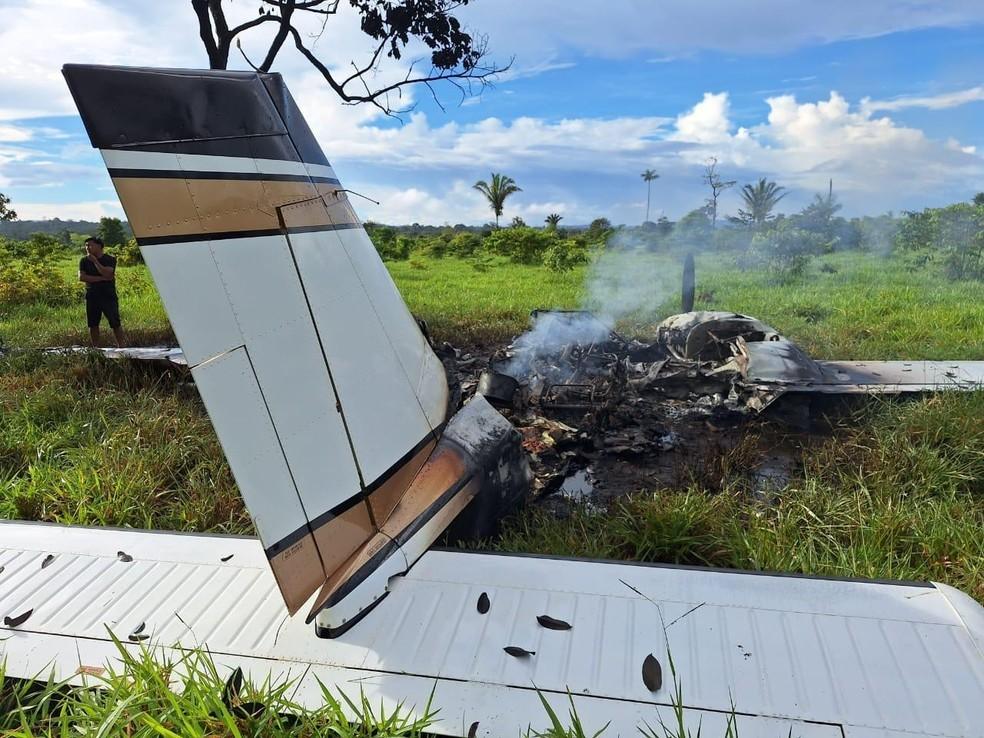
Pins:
x,y
602,414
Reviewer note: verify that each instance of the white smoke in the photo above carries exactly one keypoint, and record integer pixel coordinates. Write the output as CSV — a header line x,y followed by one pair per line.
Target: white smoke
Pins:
x,y
551,332
625,282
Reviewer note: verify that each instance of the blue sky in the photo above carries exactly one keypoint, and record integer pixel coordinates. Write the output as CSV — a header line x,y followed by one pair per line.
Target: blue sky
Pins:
x,y
884,97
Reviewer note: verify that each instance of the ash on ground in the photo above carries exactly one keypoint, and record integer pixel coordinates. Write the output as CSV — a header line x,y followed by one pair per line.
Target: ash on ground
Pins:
x,y
602,415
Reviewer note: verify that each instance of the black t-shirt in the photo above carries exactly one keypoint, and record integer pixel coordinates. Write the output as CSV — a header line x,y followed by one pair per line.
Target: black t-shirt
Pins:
x,y
102,289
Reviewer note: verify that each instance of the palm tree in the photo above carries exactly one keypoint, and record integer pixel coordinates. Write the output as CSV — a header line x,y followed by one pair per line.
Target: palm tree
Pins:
x,y
497,191
760,199
553,220
648,176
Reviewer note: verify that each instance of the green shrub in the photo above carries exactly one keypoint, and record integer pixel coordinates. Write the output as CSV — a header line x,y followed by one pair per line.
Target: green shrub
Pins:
x,y
521,244
962,241
390,245
565,254
952,236
784,251
482,260
435,246
129,254
38,247
465,244
25,281
397,249
693,230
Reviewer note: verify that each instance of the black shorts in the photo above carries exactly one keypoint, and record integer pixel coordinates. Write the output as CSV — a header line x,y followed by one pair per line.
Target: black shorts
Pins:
x,y
97,305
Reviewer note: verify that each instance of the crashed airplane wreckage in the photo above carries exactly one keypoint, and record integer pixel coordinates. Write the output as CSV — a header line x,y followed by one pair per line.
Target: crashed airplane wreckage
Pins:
x,y
747,363
603,415
334,413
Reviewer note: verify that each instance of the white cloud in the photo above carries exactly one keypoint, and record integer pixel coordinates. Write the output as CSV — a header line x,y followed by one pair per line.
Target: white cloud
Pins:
x,y
521,71
932,102
875,162
39,35
10,157
601,143
418,205
93,210
14,134
457,203
803,145
708,122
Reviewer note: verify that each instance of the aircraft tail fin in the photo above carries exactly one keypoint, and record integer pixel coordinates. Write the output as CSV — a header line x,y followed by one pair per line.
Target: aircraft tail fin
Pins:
x,y
326,396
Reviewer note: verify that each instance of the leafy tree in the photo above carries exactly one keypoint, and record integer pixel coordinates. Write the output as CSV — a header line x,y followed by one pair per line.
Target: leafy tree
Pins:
x,y
694,226
517,222
111,231
953,235
465,244
713,180
962,239
6,213
979,198
456,56
598,230
760,200
496,191
564,254
553,220
875,233
783,250
648,176
819,215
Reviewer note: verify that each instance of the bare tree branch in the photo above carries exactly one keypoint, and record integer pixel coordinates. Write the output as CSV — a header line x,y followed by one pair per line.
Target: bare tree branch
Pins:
x,y
215,33
310,6
456,56
205,31
278,40
380,97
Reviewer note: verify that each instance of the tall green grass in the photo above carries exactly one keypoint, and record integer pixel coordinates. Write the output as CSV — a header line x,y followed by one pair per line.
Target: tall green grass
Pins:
x,y
148,695
849,305
89,441
896,492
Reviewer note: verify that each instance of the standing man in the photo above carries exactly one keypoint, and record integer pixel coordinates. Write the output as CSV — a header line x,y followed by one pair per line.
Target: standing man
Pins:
x,y
98,270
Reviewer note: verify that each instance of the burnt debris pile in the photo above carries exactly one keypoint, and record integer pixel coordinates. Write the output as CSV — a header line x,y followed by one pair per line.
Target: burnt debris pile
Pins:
x,y
601,413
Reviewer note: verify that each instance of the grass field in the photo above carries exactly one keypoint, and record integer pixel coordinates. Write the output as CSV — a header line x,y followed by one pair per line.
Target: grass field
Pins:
x,y
849,306
896,492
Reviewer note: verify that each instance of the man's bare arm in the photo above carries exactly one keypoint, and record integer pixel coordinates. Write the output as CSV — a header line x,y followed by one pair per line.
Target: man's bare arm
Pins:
x,y
91,278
